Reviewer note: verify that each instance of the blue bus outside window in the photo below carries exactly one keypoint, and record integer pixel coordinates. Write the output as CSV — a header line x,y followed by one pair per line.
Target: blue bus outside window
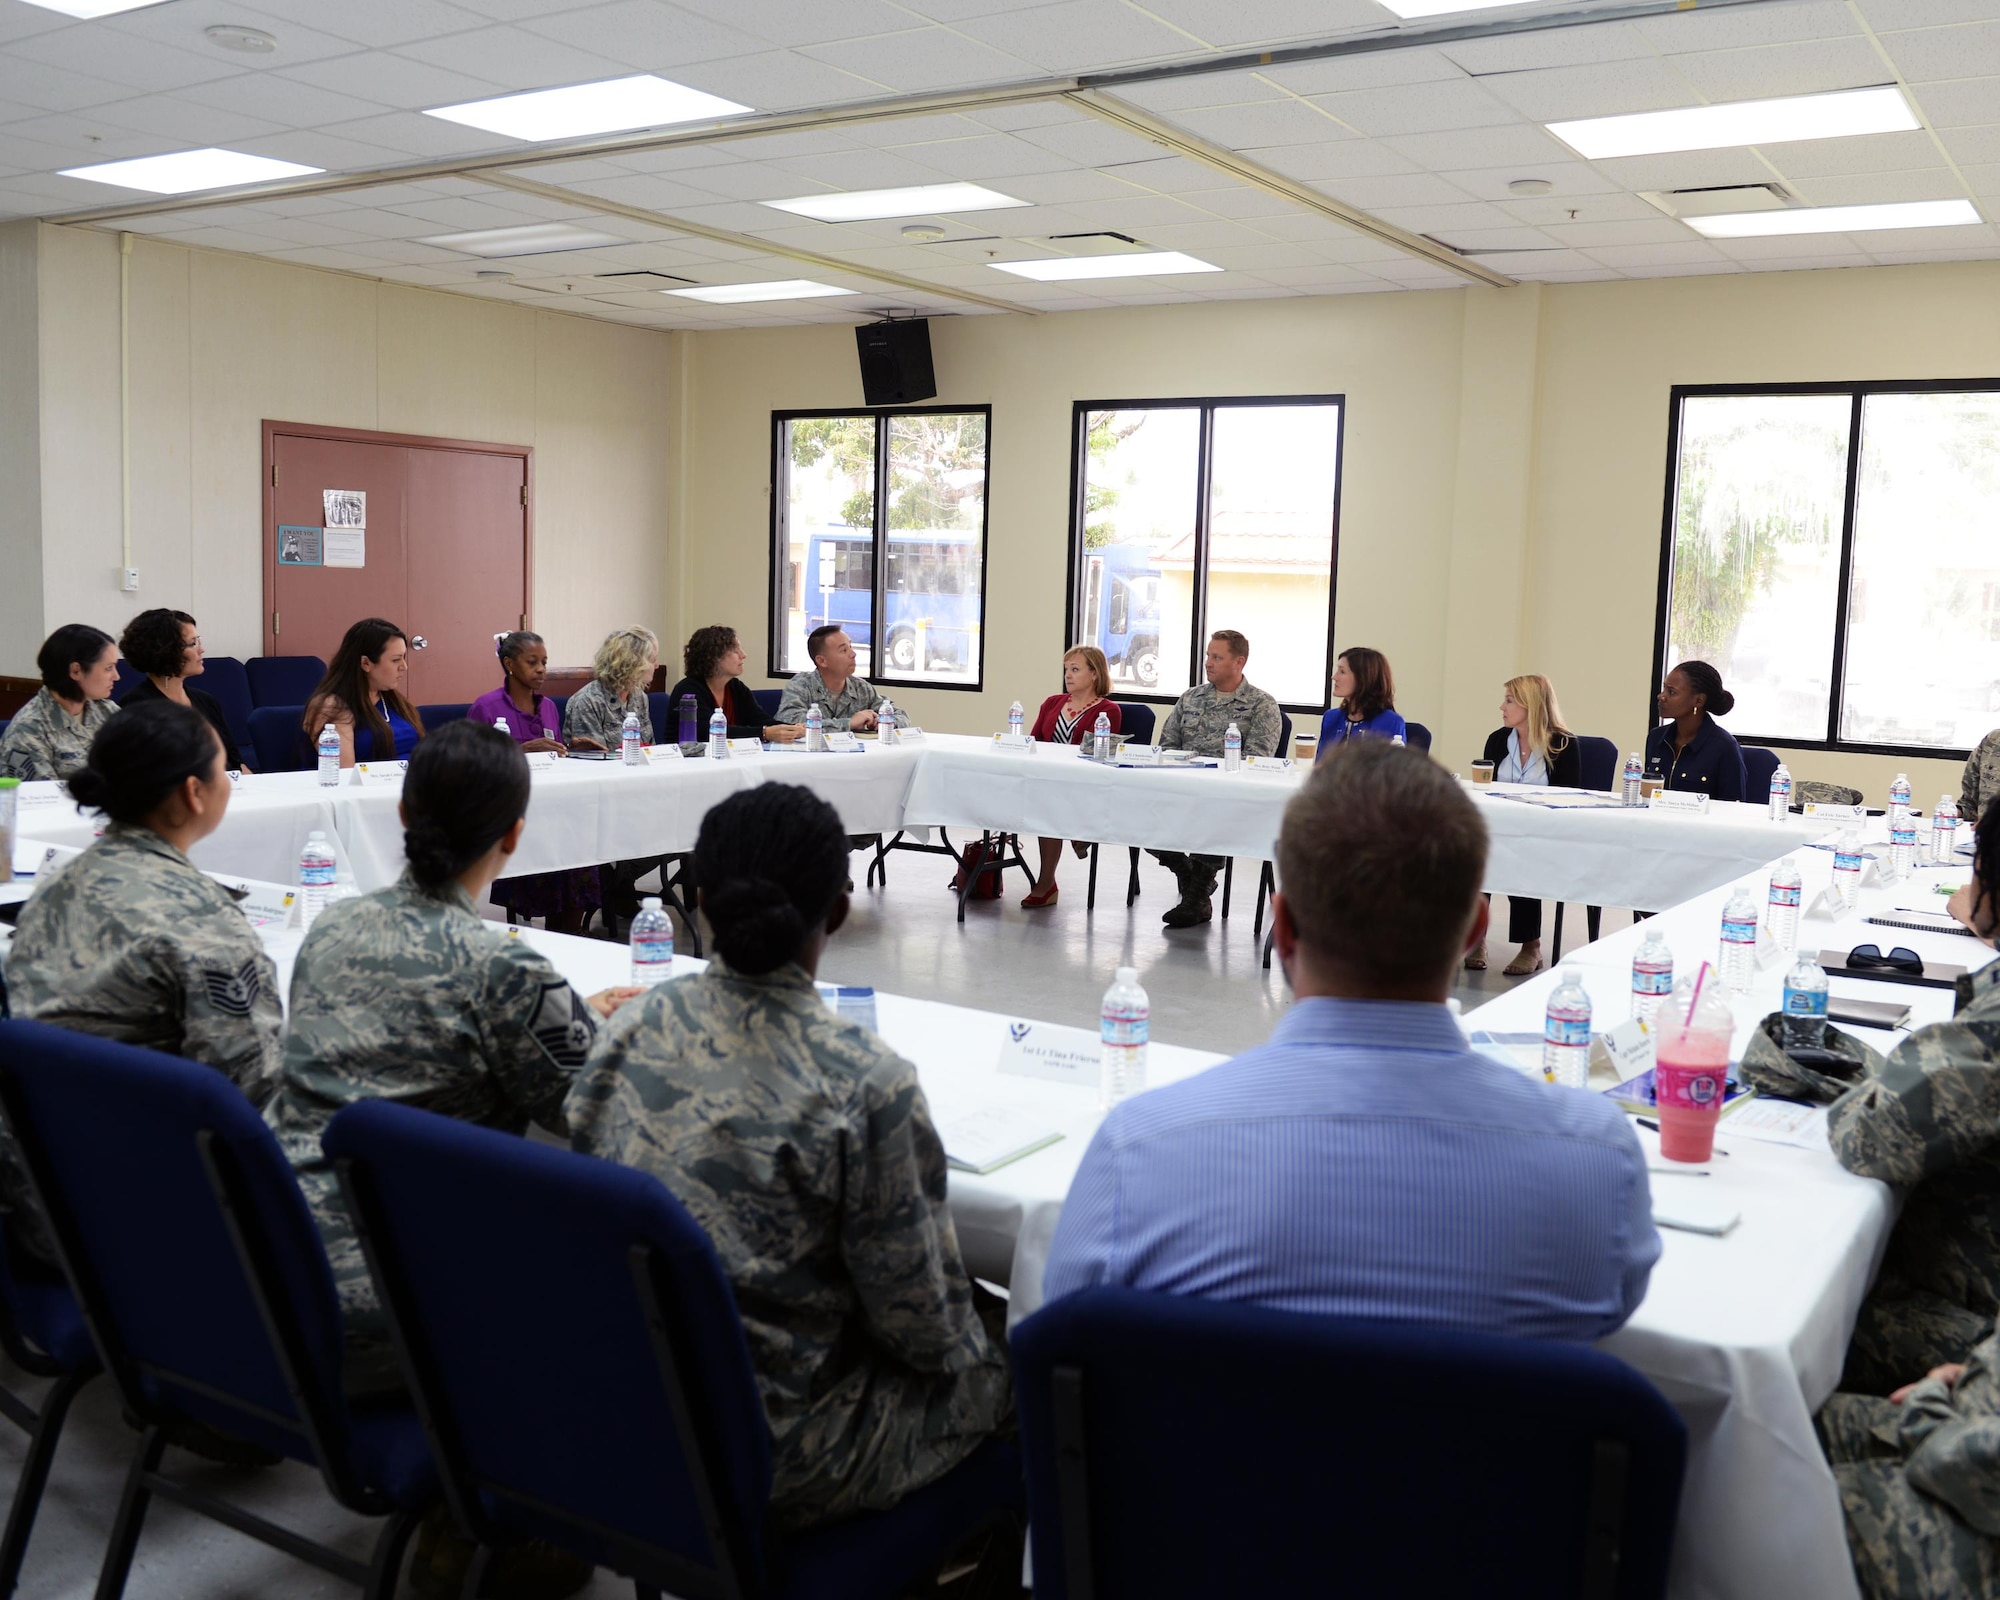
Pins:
x,y
930,594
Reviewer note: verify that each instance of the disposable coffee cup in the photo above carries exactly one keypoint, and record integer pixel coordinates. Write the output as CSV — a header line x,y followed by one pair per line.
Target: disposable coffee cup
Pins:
x,y
1305,748
1649,785
1482,772
1690,1079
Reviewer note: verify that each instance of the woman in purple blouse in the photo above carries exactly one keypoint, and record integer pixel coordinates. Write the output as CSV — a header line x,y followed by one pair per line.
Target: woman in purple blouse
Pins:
x,y
563,898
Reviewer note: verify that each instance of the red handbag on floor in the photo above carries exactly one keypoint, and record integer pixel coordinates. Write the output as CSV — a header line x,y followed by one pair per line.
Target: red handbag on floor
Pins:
x,y
983,861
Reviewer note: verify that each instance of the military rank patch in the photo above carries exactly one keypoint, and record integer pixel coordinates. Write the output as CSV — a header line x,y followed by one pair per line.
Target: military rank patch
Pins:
x,y
233,994
563,1025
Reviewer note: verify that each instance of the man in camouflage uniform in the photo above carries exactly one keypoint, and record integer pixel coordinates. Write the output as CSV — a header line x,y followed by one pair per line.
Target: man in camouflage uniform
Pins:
x,y
1919,1480
844,700
803,1145
1981,781
1198,722
131,941
406,994
46,741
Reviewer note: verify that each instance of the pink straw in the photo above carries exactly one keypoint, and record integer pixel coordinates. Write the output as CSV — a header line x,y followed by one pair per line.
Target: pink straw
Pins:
x,y
1694,1001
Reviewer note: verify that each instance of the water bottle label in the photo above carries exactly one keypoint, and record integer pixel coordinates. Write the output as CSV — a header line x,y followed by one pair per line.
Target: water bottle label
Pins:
x,y
649,949
1127,1029
1785,894
1805,1003
1652,980
1904,833
1843,862
1567,1033
1734,932
315,874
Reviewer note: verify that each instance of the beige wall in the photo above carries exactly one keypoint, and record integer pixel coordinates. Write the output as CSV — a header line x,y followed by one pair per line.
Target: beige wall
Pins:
x,y
221,342
20,447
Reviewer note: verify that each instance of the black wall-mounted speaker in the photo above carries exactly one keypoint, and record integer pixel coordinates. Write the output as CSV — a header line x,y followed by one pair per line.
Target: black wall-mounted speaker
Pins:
x,y
896,362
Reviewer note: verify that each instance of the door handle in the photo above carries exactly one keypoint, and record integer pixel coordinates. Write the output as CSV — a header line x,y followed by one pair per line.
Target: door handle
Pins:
x,y
418,641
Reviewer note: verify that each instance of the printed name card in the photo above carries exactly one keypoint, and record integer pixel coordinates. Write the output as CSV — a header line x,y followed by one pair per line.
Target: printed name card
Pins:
x,y
542,760
54,858
752,746
1139,755
909,733
846,743
1818,808
663,752
1013,741
1628,1047
1268,764
1049,1051
1678,800
267,905
377,772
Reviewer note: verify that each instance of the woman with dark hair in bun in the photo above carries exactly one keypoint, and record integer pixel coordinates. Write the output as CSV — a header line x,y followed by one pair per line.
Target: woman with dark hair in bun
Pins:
x,y
803,1145
1690,752
131,941
51,733
406,994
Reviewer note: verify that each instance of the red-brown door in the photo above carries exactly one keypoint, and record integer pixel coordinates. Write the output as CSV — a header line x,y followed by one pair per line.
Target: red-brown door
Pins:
x,y
468,553
444,549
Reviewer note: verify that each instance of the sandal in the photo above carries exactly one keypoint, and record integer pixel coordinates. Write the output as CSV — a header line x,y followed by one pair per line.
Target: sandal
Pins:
x,y
1521,966
1475,959
1036,902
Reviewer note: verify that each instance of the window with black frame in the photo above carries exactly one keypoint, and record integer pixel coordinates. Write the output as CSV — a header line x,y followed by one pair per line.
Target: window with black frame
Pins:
x,y
1194,515
1834,551
911,483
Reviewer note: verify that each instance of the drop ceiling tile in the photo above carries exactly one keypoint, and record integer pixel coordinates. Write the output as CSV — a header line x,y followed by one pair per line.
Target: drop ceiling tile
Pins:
x,y
778,80
1226,23
1571,179
1074,187
29,83
179,124
1539,211
390,80
1815,67
1691,169
237,239
283,102
1320,277
1197,238
1587,235
1746,26
126,60
681,157
788,25
320,255
1137,214
377,23
1967,146
1405,189
1028,114
1276,122
923,58
1386,69
1559,47
1417,108
1203,89
520,10
43,144
1828,247
413,135
1446,220
1688,253
514,59
1543,271
1882,188
1520,145
180,25
1895,258
1969,102
1892,15
1170,175
294,231
1089,144
24,22
647,35
855,169
1875,152
1080,36
330,151
653,193
1338,158
1968,50
1612,87
461,216
1244,204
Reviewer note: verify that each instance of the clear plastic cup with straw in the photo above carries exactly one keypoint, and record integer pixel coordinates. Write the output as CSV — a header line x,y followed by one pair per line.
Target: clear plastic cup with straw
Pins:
x,y
1691,1065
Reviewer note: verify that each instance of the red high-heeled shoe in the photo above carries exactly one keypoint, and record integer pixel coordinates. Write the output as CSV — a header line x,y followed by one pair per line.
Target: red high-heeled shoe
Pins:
x,y
1036,902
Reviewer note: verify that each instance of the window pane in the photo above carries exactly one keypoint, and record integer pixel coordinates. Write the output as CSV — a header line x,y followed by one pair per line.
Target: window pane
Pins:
x,y
1136,594
826,537
1270,540
1922,665
1757,514
931,619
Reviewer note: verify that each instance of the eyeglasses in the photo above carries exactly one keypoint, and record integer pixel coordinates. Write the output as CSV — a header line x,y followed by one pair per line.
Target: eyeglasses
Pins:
x,y
1869,957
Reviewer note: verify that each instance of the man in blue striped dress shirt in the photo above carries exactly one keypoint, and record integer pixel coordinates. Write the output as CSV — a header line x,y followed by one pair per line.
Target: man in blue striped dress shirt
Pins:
x,y
1364,1162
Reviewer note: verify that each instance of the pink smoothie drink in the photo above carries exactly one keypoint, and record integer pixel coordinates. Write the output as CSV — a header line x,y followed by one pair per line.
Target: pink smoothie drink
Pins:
x,y
1690,1071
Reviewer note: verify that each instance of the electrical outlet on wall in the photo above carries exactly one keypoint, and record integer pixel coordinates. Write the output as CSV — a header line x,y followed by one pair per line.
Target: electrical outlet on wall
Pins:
x,y
128,579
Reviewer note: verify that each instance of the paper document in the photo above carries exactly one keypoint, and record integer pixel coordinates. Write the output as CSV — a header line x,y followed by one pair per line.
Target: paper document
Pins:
x,y
987,1138
1781,1122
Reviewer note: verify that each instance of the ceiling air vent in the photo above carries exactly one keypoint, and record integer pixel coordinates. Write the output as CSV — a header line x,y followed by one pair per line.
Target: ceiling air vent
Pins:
x,y
1720,200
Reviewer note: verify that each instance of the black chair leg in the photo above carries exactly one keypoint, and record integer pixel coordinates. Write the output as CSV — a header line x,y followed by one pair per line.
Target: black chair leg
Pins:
x,y
1266,884
1269,939
1228,884
1556,954
1089,903
43,1437
1132,884
131,1516
1593,919
387,1562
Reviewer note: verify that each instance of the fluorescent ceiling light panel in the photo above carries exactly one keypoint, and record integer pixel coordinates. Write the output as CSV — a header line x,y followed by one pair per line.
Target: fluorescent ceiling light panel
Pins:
x,y
93,8
739,294
530,239
614,106
1838,219
1800,116
867,205
1138,264
187,171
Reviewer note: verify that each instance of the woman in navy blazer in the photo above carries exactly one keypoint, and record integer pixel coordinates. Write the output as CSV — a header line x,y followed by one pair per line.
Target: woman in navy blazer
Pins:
x,y
1690,753
1366,691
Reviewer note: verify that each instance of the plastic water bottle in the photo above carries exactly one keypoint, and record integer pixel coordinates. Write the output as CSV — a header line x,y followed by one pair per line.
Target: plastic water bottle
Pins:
x,y
1014,720
815,727
652,944
1100,738
1944,831
1739,940
885,722
1123,1027
689,716
1781,793
1397,738
1804,1025
1232,749
1781,915
316,869
1566,1033
329,756
1902,841
1652,974
630,743
1635,769
718,735
856,1002
1847,868
500,726
1899,792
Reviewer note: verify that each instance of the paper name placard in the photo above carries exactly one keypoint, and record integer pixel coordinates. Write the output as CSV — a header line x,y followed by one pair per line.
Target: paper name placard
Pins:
x,y
1052,1052
1628,1048
1268,764
663,752
377,772
909,733
1678,800
1138,755
54,858
752,746
267,905
1816,808
847,743
1014,741
542,760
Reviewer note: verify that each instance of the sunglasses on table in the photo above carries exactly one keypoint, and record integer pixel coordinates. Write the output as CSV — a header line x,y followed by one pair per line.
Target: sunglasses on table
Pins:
x,y
1869,958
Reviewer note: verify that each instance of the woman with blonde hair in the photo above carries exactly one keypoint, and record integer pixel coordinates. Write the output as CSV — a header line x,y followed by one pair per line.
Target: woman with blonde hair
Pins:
x,y
594,719
1071,717
1530,746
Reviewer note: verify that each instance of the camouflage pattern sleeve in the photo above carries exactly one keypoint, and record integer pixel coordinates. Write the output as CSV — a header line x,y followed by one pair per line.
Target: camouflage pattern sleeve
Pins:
x,y
1169,736
1981,780
43,742
798,696
541,1031
897,1235
1260,736
593,714
1935,1104
232,1019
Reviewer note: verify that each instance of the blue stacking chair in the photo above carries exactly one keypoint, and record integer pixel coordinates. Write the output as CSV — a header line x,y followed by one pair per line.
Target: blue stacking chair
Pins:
x,y
1760,764
650,1455
1600,771
283,680
1135,721
1416,735
129,678
769,699
435,717
277,736
43,1333
224,678
1190,1447
205,1288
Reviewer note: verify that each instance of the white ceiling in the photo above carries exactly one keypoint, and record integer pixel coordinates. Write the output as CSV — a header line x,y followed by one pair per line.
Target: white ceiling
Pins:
x,y
1426,139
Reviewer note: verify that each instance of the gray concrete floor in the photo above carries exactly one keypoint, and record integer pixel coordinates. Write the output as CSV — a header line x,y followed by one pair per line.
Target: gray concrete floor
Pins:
x,y
1207,991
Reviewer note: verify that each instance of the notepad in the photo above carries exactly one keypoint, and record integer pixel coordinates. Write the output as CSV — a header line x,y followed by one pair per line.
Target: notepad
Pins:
x,y
987,1138
1637,1095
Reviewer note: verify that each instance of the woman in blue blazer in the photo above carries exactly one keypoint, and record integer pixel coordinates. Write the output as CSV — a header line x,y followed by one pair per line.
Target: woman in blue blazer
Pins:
x,y
1690,752
1366,692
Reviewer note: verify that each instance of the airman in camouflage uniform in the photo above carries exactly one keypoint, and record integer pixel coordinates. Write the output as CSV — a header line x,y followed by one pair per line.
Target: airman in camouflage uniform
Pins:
x,y
1926,1117
804,1147
1920,1484
837,711
406,994
1981,781
45,741
1199,721
132,942
594,712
